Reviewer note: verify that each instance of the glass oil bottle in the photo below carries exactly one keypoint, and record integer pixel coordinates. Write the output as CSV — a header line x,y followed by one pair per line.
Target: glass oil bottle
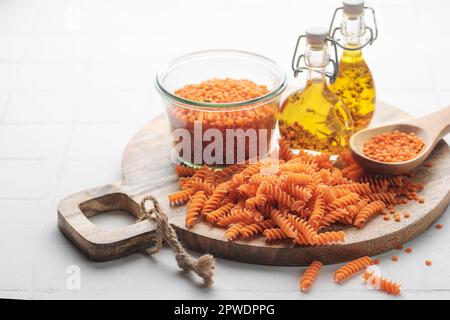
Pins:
x,y
354,84
314,119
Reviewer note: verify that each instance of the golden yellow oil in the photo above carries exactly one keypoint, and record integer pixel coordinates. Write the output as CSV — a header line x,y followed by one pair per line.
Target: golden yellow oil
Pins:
x,y
355,87
315,119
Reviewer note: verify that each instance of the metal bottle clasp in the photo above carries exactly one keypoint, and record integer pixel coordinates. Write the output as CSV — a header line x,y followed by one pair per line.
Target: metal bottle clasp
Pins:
x,y
297,66
372,32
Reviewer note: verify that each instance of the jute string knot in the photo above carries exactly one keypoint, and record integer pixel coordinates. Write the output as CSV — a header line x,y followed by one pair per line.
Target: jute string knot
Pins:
x,y
203,266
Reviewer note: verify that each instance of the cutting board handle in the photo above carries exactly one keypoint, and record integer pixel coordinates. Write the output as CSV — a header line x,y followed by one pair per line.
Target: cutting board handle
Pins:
x,y
97,243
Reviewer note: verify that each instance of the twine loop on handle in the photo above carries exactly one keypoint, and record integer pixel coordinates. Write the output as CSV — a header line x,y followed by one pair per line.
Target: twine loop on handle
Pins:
x,y
203,266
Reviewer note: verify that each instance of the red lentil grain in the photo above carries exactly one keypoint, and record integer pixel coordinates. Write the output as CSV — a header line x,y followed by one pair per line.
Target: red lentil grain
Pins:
x,y
428,262
408,250
439,226
393,146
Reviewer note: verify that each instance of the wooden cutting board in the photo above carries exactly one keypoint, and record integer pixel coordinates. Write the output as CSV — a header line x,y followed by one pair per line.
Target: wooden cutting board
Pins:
x,y
147,168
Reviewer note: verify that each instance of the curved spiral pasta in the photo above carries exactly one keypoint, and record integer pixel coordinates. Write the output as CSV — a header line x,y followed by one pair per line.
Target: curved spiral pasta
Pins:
x,y
285,152
281,197
202,186
299,179
184,171
200,173
329,195
298,193
233,232
274,234
367,212
258,178
249,171
309,276
255,202
188,183
210,177
303,228
296,168
181,197
330,237
382,283
215,199
194,208
283,222
256,228
355,174
341,193
350,168
352,267
331,217
247,190
235,216
213,216
353,210
317,213
344,201
386,197
182,181
359,188
226,173
377,184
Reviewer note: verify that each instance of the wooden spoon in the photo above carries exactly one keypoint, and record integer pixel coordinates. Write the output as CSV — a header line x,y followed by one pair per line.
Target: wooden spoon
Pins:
x,y
430,128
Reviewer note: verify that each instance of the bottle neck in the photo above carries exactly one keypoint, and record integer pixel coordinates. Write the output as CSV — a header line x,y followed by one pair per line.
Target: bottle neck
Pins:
x,y
317,59
316,76
352,28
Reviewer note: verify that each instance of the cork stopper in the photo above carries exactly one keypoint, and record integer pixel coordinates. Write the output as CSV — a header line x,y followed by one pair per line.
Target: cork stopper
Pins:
x,y
316,35
353,7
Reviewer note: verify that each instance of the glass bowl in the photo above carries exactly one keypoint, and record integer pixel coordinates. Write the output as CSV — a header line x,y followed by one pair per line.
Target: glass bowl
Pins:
x,y
219,134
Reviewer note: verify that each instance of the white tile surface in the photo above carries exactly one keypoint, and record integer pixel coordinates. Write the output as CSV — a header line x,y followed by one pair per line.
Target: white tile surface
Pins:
x,y
76,82
99,141
33,141
3,100
114,107
27,179
41,107
52,76
8,75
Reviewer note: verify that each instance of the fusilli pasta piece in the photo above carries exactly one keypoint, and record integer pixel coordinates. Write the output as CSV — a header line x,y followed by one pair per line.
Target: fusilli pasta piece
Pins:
x,y
367,212
213,216
309,276
351,268
194,208
233,232
382,283
256,228
274,234
184,171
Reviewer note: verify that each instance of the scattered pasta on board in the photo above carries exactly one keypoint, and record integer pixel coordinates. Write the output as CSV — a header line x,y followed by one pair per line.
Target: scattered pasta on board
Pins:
x,y
298,202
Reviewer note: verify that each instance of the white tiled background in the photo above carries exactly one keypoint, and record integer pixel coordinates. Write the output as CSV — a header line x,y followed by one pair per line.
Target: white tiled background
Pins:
x,y
76,83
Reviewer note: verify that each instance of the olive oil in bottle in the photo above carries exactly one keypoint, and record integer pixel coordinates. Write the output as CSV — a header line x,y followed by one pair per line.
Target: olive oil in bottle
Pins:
x,y
314,118
354,84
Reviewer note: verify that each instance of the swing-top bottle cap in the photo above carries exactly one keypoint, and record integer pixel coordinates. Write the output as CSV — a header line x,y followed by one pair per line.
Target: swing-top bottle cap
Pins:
x,y
353,7
316,35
